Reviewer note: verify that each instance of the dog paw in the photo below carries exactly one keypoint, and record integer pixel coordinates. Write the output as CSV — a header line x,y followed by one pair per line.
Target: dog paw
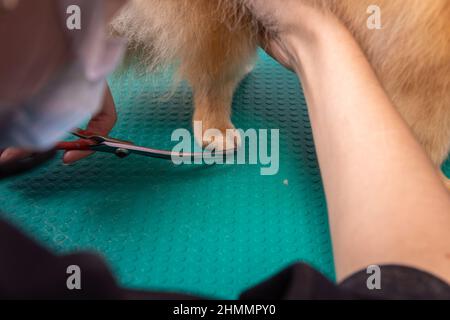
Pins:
x,y
249,69
217,137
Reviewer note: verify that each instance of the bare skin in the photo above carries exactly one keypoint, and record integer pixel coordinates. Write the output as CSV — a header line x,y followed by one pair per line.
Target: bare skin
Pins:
x,y
387,203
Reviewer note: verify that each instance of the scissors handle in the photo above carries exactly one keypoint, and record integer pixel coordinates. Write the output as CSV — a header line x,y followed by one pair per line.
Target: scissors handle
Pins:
x,y
88,142
79,145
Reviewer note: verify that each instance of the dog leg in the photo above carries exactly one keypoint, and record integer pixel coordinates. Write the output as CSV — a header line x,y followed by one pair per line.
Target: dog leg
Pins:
x,y
222,63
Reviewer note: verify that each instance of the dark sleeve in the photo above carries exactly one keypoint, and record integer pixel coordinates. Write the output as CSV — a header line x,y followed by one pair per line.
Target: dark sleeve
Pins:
x,y
399,282
29,271
301,282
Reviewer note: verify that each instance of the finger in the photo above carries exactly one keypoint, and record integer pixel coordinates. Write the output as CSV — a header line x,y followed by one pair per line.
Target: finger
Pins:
x,y
276,50
101,124
13,154
71,157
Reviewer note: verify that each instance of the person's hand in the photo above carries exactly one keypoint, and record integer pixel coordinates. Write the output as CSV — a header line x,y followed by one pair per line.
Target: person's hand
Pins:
x,y
101,124
288,25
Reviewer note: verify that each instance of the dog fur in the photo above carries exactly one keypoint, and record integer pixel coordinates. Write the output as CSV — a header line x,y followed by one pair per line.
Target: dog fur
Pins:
x,y
213,43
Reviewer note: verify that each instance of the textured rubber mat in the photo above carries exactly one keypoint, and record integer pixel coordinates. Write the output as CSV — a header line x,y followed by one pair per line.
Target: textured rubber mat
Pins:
x,y
207,230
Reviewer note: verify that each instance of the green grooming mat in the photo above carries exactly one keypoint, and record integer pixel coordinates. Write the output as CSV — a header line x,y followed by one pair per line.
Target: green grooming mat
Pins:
x,y
208,230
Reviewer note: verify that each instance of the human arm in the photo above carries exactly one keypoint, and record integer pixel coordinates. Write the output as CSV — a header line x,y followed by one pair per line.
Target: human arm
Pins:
x,y
387,204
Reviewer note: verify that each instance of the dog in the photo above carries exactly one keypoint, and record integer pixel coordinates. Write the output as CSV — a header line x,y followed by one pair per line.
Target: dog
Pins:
x,y
213,43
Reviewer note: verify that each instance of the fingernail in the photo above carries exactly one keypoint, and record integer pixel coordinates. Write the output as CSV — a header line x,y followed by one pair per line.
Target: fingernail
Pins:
x,y
6,156
67,161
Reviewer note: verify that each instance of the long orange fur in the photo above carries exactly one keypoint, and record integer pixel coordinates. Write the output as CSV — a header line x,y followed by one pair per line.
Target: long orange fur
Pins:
x,y
213,43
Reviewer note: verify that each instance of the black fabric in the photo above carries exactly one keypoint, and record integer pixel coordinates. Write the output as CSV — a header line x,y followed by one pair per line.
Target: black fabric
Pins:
x,y
399,282
29,271
299,281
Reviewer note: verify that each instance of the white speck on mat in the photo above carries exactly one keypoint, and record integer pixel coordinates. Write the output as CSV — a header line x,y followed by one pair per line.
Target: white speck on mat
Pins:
x,y
286,182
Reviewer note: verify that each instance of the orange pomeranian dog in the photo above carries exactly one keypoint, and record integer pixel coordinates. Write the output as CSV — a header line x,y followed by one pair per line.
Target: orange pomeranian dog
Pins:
x,y
214,42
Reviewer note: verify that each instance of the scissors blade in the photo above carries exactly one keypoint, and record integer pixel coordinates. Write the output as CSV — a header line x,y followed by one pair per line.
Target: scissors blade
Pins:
x,y
123,150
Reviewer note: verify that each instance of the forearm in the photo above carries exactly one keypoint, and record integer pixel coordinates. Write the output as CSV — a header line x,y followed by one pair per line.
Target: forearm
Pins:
x,y
386,201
